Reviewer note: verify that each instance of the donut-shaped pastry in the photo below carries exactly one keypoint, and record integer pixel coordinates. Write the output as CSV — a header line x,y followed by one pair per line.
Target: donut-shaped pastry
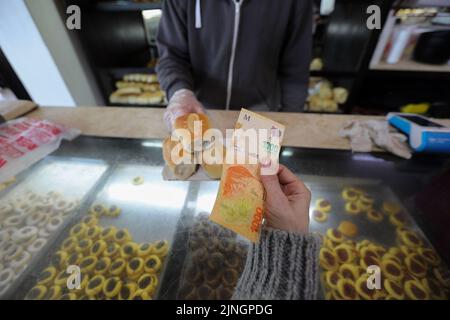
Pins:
x,y
74,258
346,289
43,233
195,275
414,290
349,271
68,296
45,203
328,259
98,210
94,232
112,250
113,211
349,194
161,248
335,235
112,286
53,293
108,234
46,276
36,293
344,253
430,256
78,230
37,245
141,295
200,255
232,260
380,250
61,278
348,228
332,278
215,261
102,265
128,250
411,239
390,256
90,220
367,260
363,206
35,218
117,266
95,285
46,216
69,244
137,181
13,221
98,248
19,262
127,291
84,246
54,223
230,277
391,207
6,209
152,264
367,198
323,205
6,276
361,287
87,264
135,267
352,208
11,251
320,216
394,289
64,207
392,270
122,236
148,283
144,250
398,219
406,250
374,216
415,265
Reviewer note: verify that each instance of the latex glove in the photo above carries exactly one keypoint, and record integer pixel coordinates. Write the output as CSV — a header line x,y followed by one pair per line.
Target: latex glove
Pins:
x,y
182,102
363,134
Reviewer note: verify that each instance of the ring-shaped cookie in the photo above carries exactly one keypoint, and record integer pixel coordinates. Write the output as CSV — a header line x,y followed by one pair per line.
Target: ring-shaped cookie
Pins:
x,y
37,245
152,264
328,259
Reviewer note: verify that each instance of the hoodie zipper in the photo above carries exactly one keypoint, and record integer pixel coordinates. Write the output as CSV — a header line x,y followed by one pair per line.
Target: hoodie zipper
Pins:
x,y
237,18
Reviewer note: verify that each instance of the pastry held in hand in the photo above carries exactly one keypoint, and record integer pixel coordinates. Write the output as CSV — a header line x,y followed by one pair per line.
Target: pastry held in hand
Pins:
x,y
189,129
178,161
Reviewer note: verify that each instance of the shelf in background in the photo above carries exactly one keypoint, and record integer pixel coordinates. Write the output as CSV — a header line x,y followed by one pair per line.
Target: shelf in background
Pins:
x,y
127,5
410,66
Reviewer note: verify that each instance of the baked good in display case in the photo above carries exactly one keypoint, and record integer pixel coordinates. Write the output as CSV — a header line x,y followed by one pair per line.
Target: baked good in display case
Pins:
x,y
409,267
113,266
27,222
214,262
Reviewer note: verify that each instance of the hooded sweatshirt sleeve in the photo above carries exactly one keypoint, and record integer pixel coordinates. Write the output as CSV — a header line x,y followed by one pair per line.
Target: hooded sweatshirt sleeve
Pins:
x,y
282,266
174,67
296,57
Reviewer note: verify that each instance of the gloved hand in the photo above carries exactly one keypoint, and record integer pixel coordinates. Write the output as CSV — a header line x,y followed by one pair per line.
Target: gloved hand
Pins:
x,y
182,102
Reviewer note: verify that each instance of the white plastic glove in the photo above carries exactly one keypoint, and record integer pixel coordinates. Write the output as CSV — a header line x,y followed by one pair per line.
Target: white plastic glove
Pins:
x,y
182,102
363,134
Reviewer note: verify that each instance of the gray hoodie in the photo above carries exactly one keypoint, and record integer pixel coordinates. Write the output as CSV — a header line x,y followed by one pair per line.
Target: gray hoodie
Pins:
x,y
235,54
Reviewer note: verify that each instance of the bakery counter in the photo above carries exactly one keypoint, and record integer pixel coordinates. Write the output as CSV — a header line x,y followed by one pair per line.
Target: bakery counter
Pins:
x,y
101,205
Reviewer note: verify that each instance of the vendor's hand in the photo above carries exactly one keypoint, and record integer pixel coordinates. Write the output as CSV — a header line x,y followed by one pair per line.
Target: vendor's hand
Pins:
x,y
287,201
181,103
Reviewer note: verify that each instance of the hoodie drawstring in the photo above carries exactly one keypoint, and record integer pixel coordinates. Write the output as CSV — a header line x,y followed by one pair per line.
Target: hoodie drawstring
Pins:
x,y
198,15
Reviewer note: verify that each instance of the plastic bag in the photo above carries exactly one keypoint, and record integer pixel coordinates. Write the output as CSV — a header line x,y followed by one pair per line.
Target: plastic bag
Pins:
x,y
25,141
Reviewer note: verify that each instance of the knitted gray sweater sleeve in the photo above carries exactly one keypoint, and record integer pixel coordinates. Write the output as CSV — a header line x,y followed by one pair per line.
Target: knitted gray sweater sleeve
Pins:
x,y
282,265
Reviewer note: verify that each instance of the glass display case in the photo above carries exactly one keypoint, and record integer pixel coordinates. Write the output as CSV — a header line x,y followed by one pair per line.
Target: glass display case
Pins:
x,y
102,205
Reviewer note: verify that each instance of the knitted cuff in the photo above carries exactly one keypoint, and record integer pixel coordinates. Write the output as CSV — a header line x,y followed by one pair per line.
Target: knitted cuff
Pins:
x,y
282,265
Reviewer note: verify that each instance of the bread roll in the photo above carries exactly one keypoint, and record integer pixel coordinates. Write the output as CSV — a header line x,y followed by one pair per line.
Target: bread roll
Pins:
x,y
173,151
187,122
